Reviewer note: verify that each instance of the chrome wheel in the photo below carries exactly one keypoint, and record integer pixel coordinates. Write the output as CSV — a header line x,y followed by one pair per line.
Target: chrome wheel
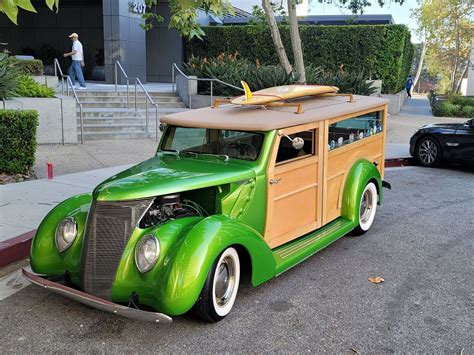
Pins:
x,y
366,206
428,152
225,281
367,209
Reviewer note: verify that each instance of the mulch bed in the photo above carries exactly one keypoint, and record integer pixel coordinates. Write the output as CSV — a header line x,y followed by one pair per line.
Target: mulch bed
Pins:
x,y
6,178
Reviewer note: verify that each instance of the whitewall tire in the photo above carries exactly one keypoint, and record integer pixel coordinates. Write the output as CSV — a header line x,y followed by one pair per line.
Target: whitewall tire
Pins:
x,y
220,289
367,208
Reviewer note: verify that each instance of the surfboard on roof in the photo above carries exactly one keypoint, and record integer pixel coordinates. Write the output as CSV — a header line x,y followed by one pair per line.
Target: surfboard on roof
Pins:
x,y
280,93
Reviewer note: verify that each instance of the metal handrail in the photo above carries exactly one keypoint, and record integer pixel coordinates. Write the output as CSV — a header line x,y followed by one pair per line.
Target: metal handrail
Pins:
x,y
118,65
147,97
212,80
57,68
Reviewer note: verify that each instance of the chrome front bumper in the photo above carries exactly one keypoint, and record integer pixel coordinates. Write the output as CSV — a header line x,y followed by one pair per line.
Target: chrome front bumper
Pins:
x,y
96,302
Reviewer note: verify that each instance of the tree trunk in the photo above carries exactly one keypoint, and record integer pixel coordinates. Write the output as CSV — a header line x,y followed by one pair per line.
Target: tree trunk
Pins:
x,y
458,86
296,42
420,64
280,49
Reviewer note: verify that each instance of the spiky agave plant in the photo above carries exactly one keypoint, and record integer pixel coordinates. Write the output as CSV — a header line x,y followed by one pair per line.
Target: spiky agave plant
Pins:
x,y
8,76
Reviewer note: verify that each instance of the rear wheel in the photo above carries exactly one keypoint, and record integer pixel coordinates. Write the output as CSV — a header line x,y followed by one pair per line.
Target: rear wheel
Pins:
x,y
367,209
428,152
220,289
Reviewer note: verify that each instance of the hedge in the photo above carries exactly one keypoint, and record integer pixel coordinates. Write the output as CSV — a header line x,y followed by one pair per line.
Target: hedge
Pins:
x,y
382,51
29,66
17,140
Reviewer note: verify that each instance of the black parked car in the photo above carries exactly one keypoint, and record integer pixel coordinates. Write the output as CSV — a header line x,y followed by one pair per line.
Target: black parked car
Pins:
x,y
449,142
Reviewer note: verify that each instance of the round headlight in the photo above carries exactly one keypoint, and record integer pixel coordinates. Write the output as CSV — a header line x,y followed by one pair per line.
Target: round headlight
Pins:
x,y
66,233
147,252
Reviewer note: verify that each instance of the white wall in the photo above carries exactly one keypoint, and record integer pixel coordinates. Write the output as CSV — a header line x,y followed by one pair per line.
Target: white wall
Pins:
x,y
246,5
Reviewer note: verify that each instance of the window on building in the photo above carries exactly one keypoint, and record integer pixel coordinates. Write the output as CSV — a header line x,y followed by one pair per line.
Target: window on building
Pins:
x,y
354,129
287,152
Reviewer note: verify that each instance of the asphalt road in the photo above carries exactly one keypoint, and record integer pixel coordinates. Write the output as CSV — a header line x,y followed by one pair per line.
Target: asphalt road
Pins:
x,y
421,244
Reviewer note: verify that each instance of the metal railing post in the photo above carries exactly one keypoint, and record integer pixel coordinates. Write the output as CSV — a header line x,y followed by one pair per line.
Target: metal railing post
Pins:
x,y
212,81
116,78
189,94
82,123
146,114
136,105
128,94
157,120
172,78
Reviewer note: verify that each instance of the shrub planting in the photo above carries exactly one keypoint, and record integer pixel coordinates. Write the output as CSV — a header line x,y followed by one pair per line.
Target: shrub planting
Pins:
x,y
17,140
28,87
29,66
453,106
230,69
379,51
8,76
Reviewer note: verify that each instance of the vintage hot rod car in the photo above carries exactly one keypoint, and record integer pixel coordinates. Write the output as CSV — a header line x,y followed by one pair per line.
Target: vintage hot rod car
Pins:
x,y
230,188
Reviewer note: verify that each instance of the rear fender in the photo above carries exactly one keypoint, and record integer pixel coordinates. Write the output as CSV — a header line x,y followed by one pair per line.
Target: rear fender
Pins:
x,y
359,176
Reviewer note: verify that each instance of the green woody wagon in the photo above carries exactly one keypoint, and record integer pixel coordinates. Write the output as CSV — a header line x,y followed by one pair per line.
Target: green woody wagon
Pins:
x,y
232,189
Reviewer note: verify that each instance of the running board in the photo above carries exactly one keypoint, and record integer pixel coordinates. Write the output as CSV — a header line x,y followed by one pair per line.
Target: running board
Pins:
x,y
293,253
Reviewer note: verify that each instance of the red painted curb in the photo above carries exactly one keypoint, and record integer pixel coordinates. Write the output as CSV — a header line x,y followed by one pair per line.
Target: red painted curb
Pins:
x,y
15,249
397,162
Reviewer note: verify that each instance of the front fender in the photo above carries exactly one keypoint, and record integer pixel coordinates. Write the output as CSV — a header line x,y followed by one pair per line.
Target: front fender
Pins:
x,y
189,265
360,174
44,257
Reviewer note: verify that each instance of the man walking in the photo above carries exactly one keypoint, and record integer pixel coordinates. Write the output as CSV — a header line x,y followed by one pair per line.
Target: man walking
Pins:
x,y
409,85
77,56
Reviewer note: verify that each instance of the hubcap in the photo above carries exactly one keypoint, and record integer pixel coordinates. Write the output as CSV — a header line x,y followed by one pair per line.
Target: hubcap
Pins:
x,y
225,281
365,207
428,152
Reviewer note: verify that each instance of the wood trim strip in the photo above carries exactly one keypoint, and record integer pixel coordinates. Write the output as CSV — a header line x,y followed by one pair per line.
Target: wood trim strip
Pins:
x,y
296,191
336,175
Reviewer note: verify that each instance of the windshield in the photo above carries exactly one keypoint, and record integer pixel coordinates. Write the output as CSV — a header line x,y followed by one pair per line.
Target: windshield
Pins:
x,y
232,144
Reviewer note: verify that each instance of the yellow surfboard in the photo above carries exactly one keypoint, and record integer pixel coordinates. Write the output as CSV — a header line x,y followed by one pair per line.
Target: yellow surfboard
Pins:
x,y
280,93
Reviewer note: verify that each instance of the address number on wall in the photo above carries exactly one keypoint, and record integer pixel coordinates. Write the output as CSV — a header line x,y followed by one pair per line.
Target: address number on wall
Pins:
x,y
136,7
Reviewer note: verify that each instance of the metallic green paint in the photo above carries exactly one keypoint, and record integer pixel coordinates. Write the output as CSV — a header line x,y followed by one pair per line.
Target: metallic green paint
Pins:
x,y
168,173
44,257
190,246
359,176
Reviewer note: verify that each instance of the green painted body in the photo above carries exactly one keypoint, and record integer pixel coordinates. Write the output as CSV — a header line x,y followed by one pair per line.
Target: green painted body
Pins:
x,y
190,245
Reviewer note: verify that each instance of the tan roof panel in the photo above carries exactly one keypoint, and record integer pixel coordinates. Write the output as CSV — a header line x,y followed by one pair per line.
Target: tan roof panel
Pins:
x,y
256,118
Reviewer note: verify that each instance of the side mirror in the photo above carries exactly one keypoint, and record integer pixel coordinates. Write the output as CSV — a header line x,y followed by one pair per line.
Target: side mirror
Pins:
x,y
297,142
162,127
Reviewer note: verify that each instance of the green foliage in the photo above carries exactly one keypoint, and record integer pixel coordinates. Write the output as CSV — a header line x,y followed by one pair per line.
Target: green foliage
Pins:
x,y
29,66
28,87
230,69
11,7
380,51
454,106
8,76
17,140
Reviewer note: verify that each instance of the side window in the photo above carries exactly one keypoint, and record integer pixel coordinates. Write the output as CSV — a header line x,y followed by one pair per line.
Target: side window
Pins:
x,y
353,129
286,150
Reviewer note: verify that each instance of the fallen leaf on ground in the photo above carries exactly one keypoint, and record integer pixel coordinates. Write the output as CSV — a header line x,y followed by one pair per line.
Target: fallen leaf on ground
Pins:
x,y
376,279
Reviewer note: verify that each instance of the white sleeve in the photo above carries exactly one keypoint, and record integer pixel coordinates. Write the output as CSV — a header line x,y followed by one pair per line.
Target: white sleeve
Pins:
x,y
75,46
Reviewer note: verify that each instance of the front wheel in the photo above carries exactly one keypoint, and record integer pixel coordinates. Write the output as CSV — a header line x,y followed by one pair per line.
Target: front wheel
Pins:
x,y
367,209
220,289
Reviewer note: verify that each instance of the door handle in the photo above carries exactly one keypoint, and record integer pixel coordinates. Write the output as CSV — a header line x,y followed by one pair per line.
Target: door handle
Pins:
x,y
274,181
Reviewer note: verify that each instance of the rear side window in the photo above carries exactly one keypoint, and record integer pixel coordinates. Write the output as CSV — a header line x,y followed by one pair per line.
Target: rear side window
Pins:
x,y
354,129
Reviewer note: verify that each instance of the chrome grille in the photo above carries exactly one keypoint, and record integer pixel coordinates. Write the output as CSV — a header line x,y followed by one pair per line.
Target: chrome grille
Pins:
x,y
109,227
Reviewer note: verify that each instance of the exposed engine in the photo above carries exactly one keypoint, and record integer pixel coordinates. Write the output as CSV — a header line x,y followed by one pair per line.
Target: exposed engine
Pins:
x,y
168,207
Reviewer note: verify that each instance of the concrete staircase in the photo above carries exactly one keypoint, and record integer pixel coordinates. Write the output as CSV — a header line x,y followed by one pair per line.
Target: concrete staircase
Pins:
x,y
106,116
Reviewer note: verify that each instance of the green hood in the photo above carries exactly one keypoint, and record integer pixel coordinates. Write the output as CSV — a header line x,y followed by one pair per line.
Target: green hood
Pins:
x,y
165,174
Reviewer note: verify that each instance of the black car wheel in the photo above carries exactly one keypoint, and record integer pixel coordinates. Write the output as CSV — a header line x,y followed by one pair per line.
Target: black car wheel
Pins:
x,y
428,152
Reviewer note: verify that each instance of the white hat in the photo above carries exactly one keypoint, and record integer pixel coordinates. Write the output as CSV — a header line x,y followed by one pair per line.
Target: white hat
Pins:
x,y
74,34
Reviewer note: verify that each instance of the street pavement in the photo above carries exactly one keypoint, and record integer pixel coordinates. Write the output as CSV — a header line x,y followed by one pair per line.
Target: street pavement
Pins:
x,y
421,244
